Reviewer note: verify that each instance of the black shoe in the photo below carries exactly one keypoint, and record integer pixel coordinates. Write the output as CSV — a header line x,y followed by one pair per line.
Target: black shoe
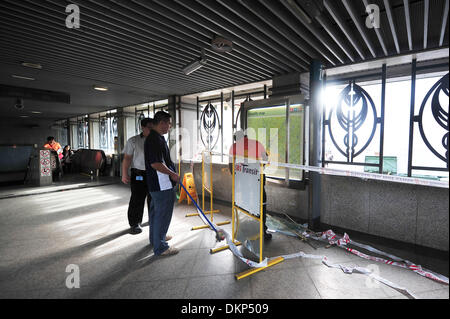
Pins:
x,y
135,230
267,236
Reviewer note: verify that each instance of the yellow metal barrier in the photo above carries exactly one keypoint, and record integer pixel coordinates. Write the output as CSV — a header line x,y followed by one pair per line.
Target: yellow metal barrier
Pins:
x,y
261,227
209,189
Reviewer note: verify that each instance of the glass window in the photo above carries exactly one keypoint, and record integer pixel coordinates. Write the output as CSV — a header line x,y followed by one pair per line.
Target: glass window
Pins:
x,y
270,127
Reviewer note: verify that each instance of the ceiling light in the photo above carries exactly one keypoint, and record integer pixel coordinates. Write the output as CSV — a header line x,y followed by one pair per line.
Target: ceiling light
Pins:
x,y
36,112
20,77
100,88
32,65
24,116
196,64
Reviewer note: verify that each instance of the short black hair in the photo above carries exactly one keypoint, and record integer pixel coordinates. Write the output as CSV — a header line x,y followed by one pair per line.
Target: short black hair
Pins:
x,y
161,116
145,121
50,138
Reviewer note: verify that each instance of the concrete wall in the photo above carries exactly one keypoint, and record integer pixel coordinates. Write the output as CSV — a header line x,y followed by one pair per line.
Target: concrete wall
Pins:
x,y
408,213
26,131
404,212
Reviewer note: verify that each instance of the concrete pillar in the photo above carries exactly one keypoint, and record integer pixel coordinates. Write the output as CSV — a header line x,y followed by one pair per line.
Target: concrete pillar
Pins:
x,y
40,171
315,140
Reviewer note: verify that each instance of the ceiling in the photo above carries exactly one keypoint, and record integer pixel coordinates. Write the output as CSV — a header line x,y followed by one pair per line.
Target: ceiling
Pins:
x,y
137,48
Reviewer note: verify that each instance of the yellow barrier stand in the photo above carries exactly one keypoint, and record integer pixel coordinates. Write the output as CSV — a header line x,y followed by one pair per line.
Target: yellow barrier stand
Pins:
x,y
210,191
261,228
255,270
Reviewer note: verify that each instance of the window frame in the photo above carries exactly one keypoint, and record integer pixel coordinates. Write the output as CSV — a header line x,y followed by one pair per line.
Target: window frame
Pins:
x,y
279,101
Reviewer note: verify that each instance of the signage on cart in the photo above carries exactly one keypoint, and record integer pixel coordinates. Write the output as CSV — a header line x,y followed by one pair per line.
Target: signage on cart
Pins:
x,y
247,189
45,164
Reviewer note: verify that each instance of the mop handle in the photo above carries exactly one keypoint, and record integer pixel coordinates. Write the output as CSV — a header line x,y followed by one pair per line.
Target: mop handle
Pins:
x,y
210,224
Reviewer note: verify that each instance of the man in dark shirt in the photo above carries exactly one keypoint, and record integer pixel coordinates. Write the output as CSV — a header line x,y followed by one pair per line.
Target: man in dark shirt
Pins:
x,y
161,181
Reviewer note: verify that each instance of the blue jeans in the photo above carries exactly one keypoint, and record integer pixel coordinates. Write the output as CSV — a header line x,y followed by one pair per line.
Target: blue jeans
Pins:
x,y
160,215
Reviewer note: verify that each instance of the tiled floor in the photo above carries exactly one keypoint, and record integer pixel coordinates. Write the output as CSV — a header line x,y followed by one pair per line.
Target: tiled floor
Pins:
x,y
44,233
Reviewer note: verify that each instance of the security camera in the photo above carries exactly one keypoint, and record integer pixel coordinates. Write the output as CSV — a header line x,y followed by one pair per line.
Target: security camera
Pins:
x,y
19,104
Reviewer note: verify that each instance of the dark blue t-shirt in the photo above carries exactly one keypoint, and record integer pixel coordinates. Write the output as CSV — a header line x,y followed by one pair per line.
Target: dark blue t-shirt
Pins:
x,y
157,151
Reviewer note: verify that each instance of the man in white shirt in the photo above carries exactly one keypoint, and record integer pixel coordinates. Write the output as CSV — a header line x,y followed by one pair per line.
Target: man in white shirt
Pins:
x,y
134,158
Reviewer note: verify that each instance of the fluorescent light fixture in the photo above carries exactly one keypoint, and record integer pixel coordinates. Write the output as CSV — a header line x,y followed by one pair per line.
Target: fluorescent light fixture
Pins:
x,y
36,112
32,65
100,88
196,64
20,77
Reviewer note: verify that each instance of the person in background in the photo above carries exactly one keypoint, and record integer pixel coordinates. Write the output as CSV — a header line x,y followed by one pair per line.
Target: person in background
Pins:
x,y
161,179
66,161
134,159
54,146
250,148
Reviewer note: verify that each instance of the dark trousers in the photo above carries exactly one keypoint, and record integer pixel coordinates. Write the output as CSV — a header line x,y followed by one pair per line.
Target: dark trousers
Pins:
x,y
159,218
139,192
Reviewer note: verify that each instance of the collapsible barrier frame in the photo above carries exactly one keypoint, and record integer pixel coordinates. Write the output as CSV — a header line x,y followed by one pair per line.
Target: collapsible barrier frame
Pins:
x,y
211,194
260,219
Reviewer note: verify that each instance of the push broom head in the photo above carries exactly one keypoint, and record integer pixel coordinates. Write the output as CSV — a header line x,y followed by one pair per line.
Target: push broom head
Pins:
x,y
220,235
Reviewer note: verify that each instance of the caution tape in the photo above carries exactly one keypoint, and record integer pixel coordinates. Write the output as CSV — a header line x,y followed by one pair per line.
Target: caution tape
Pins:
x,y
332,239
362,175
238,254
325,261
351,270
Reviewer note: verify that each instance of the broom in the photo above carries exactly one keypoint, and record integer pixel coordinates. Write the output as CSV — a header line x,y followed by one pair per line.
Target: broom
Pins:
x,y
220,234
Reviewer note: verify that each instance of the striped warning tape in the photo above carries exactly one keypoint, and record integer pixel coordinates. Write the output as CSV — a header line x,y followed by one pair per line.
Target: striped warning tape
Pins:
x,y
332,239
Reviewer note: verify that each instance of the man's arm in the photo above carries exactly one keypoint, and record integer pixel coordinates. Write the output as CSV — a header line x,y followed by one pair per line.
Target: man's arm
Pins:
x,y
161,167
125,166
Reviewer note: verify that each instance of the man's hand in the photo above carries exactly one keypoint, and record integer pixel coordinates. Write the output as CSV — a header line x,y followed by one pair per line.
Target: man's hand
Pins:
x,y
175,177
125,178
125,166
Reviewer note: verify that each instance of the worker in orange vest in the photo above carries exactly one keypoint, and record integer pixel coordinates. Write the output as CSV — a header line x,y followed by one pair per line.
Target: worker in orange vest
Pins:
x,y
54,146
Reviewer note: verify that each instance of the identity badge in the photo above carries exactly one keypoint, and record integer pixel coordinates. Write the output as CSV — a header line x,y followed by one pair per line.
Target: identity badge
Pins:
x,y
139,178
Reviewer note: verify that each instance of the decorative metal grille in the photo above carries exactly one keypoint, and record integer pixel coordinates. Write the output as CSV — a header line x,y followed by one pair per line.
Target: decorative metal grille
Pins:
x,y
209,126
350,113
140,116
436,101
80,131
103,129
114,121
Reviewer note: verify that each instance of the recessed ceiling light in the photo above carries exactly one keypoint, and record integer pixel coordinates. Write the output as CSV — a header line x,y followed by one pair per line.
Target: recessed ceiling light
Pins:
x,y
24,116
20,77
32,65
100,88
36,112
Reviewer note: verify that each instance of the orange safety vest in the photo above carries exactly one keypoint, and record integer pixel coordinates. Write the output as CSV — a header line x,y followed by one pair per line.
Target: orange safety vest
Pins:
x,y
55,147
249,148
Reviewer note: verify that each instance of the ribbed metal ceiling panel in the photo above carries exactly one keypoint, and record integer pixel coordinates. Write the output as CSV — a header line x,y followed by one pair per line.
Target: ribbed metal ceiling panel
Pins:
x,y
139,47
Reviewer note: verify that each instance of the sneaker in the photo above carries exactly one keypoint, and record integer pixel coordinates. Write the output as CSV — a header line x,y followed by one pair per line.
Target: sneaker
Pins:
x,y
135,230
170,251
168,237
